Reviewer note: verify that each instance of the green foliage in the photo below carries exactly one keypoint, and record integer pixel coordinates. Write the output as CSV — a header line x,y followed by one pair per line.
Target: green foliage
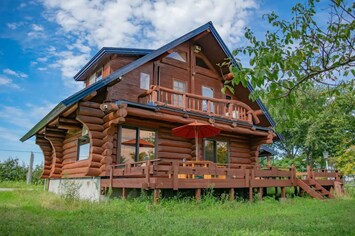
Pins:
x,y
345,162
11,170
326,123
299,53
42,213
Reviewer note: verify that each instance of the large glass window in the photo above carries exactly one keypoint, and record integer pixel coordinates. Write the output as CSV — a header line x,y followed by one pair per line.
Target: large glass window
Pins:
x,y
137,145
216,151
181,87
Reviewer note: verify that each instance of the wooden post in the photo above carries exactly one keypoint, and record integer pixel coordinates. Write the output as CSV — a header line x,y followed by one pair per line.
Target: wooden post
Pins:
x,y
283,192
276,191
29,173
156,196
198,194
124,193
231,194
260,194
268,163
309,172
251,194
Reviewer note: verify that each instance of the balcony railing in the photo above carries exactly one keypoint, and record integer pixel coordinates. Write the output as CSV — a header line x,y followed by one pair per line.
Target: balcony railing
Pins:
x,y
231,109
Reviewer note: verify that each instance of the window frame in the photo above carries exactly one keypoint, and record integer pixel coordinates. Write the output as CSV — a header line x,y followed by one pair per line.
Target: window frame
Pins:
x,y
143,75
177,98
215,149
78,145
137,130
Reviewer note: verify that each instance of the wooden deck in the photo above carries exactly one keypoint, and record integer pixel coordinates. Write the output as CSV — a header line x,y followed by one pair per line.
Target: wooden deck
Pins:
x,y
157,175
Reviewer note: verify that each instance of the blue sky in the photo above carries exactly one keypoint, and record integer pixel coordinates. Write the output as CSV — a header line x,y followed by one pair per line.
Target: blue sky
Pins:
x,y
43,43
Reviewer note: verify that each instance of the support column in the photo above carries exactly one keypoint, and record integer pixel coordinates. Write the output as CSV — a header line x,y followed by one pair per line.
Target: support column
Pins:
x,y
198,194
251,194
283,193
124,193
156,196
231,194
260,194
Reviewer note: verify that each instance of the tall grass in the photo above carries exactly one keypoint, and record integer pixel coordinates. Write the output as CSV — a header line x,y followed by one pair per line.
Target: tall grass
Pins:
x,y
41,213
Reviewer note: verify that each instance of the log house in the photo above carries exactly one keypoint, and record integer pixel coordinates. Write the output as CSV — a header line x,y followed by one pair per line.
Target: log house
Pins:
x,y
118,128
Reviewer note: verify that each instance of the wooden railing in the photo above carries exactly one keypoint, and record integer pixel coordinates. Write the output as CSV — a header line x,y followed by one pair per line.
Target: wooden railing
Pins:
x,y
178,170
320,174
230,109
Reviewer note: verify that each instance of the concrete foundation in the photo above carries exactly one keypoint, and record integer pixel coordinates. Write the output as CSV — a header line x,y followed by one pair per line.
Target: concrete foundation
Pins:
x,y
82,188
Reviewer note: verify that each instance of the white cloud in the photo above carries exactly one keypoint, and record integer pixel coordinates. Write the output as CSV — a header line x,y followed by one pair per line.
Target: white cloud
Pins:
x,y
6,82
136,23
14,73
36,27
14,25
42,59
24,116
42,68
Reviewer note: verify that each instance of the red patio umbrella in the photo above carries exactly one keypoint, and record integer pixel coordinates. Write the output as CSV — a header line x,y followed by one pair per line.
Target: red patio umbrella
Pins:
x,y
142,143
196,130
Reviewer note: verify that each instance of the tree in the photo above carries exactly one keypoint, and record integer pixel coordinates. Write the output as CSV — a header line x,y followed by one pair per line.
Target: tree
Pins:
x,y
327,123
11,170
299,53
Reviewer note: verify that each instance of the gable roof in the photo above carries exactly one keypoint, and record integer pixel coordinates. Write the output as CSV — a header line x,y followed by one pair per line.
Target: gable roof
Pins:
x,y
108,51
117,76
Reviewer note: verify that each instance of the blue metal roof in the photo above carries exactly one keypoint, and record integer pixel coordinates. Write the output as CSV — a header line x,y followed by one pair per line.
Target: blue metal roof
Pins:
x,y
110,50
65,104
267,149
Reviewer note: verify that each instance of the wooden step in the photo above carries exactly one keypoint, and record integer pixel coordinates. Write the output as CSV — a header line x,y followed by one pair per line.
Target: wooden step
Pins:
x,y
307,188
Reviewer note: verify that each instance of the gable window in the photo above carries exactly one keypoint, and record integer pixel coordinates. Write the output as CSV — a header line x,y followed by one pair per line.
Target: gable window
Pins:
x,y
178,55
216,151
83,146
145,81
95,76
136,144
201,63
181,87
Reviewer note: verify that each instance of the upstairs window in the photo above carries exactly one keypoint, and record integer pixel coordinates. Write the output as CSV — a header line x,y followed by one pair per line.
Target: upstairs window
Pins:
x,y
178,55
145,81
83,146
201,63
95,76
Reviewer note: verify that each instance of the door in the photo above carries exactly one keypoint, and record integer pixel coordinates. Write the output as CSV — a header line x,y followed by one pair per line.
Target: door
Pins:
x,y
207,92
179,86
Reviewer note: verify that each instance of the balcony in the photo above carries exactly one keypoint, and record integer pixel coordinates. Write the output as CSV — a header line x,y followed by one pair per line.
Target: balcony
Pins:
x,y
214,107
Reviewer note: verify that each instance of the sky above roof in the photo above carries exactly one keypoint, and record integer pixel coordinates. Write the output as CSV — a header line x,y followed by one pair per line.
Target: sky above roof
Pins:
x,y
44,43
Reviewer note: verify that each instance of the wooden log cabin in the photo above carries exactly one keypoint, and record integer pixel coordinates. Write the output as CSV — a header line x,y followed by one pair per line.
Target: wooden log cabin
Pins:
x,y
117,130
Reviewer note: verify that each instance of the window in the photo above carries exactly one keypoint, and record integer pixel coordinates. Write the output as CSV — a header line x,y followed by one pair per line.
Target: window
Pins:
x,y
201,63
137,145
181,87
216,151
145,81
207,92
178,55
83,146
95,76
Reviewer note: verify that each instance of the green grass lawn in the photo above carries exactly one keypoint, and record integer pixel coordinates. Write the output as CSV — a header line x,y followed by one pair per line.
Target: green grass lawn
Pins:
x,y
37,212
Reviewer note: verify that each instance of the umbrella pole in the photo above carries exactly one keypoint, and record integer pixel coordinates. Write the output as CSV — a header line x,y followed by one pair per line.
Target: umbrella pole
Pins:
x,y
196,144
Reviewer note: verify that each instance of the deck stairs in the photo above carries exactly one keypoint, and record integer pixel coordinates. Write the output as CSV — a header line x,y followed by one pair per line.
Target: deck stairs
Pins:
x,y
314,189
